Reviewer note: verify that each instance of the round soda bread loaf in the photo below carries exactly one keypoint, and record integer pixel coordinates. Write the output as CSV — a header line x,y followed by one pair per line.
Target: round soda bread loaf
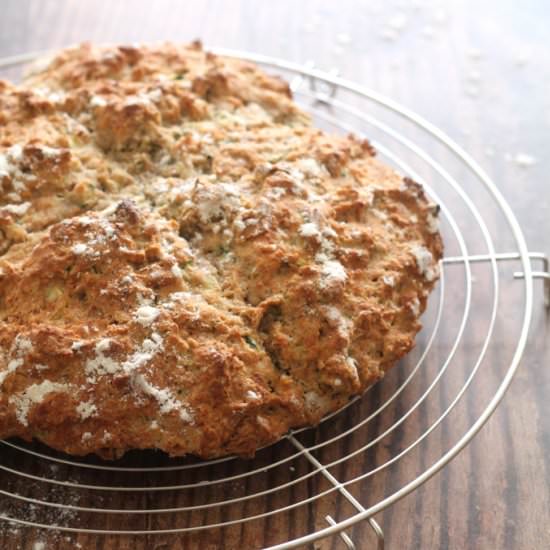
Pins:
x,y
186,264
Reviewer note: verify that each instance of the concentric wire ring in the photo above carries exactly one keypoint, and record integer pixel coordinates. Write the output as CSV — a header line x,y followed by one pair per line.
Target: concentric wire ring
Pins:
x,y
444,178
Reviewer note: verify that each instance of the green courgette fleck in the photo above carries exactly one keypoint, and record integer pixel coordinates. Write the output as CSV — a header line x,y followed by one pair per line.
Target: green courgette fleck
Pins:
x,y
249,340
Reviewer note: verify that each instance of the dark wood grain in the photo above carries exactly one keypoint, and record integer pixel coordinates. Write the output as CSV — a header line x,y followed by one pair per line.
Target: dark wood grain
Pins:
x,y
480,71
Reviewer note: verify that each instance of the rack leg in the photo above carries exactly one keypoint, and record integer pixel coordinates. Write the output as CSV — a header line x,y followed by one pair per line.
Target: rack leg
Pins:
x,y
544,275
344,536
379,533
540,256
346,494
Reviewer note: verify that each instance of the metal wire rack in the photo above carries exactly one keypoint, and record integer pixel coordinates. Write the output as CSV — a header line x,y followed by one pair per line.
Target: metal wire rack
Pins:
x,y
331,470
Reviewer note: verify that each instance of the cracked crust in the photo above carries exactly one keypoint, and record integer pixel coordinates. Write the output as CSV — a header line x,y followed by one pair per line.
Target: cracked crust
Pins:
x,y
186,263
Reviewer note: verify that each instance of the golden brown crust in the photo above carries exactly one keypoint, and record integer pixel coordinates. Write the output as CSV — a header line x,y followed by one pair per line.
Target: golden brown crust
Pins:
x,y
185,263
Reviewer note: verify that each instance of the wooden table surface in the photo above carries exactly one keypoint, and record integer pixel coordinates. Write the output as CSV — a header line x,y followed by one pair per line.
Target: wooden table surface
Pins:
x,y
481,72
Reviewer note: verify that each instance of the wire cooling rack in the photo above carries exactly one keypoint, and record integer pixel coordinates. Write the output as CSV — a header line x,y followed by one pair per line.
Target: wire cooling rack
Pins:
x,y
359,460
